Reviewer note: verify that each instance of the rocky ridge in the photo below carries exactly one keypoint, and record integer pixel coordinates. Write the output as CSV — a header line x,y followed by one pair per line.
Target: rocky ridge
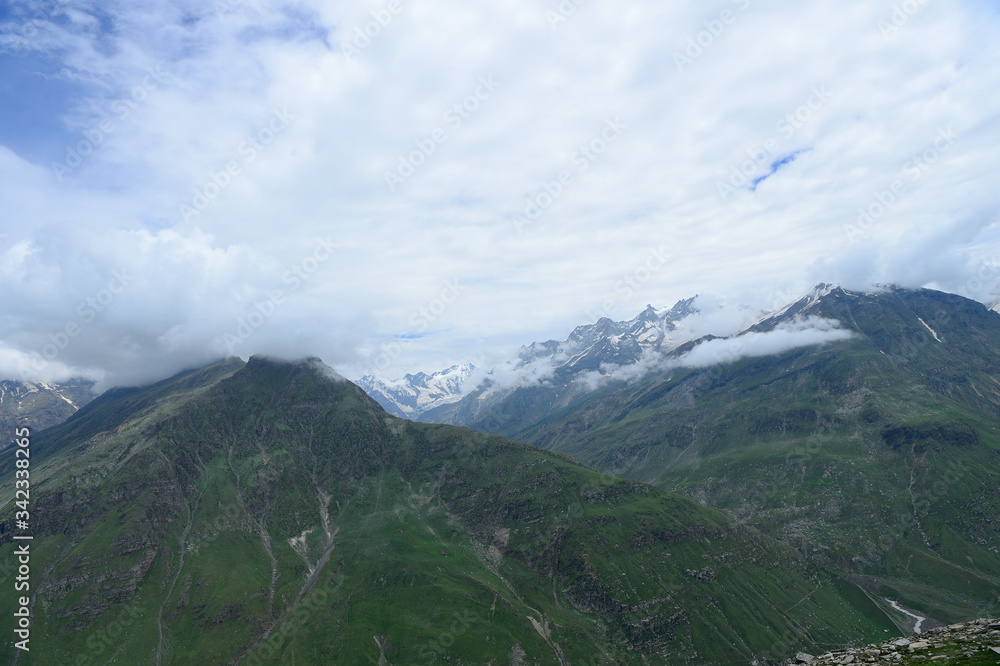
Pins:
x,y
558,364
40,404
413,395
976,642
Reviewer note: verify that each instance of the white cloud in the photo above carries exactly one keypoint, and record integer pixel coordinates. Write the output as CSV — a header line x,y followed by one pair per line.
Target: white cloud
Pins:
x,y
722,317
226,73
512,373
808,332
784,337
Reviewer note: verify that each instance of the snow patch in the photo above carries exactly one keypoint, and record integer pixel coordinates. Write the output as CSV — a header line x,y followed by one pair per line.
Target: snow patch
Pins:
x,y
66,399
811,298
647,336
933,332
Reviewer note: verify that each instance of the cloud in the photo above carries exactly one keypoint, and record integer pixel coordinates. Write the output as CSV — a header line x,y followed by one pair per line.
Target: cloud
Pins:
x,y
808,332
961,257
91,306
720,316
516,373
649,363
152,107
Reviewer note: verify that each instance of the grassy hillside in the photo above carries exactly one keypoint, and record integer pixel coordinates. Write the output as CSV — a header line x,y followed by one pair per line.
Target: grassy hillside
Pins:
x,y
271,514
876,457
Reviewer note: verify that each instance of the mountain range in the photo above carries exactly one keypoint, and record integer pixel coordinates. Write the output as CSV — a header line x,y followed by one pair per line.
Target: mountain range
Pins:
x,y
874,453
415,394
558,364
271,512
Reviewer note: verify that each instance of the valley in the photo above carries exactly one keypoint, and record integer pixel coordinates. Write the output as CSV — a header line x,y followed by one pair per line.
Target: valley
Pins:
x,y
271,511
875,457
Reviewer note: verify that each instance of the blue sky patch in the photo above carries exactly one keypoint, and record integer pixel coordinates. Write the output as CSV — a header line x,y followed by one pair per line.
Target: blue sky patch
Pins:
x,y
35,99
775,166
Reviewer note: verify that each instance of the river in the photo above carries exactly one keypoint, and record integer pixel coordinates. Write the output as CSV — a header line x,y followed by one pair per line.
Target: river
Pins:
x,y
919,619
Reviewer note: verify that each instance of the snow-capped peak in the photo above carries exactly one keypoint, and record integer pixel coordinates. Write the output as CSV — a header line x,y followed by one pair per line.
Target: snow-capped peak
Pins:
x,y
804,302
42,403
414,394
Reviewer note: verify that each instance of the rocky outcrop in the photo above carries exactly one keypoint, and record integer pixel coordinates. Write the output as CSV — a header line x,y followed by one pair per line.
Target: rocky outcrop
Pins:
x,y
972,642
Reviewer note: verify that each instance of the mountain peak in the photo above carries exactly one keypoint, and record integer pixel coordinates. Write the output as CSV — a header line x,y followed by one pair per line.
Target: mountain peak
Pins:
x,y
323,369
414,394
310,363
804,302
239,502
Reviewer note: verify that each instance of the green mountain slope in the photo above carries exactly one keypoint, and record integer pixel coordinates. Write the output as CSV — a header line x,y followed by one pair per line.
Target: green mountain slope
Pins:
x,y
877,457
273,513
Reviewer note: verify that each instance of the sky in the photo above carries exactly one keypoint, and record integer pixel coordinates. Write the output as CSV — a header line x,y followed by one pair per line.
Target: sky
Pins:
x,y
401,185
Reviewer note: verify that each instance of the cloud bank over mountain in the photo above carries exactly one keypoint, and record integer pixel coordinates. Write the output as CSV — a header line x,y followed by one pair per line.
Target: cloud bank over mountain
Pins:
x,y
801,332
784,337
397,191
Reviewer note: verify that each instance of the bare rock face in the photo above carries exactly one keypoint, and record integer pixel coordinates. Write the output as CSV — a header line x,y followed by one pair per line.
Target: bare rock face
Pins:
x,y
40,405
973,642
